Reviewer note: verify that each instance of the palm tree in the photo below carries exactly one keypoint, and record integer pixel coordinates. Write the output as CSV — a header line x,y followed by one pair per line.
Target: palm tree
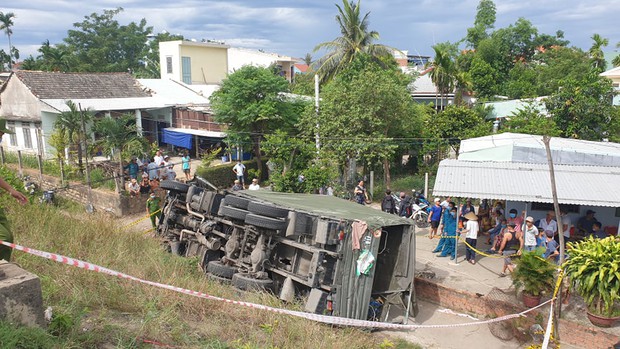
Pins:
x,y
616,60
596,51
118,135
356,39
71,122
308,59
443,71
6,23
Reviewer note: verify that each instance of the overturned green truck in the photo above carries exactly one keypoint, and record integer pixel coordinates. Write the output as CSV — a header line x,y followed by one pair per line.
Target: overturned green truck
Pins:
x,y
338,257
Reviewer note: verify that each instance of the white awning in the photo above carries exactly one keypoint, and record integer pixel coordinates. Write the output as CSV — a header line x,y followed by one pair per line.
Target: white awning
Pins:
x,y
202,133
528,182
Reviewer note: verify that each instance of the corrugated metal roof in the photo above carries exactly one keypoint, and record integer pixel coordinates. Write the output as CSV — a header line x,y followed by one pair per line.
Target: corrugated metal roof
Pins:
x,y
526,182
99,104
173,92
503,109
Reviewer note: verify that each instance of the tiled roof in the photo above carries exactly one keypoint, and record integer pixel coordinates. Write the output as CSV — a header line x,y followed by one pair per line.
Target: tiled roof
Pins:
x,y
53,85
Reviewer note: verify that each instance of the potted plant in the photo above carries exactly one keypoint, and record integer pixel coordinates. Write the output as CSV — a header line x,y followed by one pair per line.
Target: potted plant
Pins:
x,y
594,271
534,275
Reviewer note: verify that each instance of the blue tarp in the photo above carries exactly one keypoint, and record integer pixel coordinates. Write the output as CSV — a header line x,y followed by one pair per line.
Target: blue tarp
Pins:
x,y
177,138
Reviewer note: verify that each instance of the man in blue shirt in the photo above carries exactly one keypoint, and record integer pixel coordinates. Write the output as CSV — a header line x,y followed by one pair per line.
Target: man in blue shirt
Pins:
x,y
551,251
435,217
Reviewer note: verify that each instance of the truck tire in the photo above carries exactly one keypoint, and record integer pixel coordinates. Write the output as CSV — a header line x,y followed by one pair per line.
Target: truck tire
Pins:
x,y
267,211
218,269
174,186
244,281
233,212
236,201
265,222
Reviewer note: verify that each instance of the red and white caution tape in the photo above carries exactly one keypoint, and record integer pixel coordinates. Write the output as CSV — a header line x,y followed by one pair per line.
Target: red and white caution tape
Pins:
x,y
326,319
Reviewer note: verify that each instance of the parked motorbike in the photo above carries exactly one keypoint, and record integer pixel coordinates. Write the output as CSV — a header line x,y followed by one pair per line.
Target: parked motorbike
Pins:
x,y
419,209
48,197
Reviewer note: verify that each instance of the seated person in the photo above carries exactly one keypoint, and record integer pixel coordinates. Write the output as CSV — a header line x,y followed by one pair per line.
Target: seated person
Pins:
x,y
237,185
597,231
551,250
585,223
501,223
133,187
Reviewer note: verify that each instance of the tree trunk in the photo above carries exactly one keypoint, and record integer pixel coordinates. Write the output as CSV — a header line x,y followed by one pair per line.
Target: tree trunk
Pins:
x,y
121,179
386,171
79,154
259,160
10,53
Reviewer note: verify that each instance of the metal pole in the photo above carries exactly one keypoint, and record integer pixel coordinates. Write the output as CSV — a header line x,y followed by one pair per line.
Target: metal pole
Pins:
x,y
458,234
316,111
90,193
372,182
426,185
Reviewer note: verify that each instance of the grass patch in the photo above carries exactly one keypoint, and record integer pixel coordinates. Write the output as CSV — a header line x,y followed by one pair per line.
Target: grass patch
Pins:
x,y
405,184
96,310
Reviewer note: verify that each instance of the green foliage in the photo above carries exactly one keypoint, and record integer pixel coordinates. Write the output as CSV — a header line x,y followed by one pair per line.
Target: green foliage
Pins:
x,y
582,108
12,336
317,174
484,77
485,20
534,274
208,157
303,84
596,52
222,176
594,271
454,124
99,179
530,120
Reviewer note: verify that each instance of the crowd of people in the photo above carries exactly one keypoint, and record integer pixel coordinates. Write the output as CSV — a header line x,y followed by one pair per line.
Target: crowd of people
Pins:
x,y
145,175
507,235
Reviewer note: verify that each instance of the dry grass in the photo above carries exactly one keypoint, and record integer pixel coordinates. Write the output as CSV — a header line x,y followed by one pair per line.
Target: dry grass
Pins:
x,y
117,312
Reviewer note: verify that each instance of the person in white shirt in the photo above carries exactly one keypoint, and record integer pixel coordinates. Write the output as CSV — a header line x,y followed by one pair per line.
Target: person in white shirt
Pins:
x,y
254,185
239,170
549,223
566,225
158,158
471,236
530,234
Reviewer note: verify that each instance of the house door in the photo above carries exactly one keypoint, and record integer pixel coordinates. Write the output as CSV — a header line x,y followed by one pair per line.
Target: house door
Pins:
x,y
186,70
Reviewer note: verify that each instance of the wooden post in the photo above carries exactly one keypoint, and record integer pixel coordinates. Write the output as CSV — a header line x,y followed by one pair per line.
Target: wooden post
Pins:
x,y
40,163
62,171
90,193
2,155
19,163
372,182
556,206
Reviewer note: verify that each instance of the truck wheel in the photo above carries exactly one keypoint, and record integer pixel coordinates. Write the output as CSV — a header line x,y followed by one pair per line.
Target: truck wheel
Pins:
x,y
236,201
218,269
267,211
421,220
219,279
174,186
265,222
244,281
233,212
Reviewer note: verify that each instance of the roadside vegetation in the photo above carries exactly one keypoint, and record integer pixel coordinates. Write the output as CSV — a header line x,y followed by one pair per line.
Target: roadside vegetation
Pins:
x,y
95,310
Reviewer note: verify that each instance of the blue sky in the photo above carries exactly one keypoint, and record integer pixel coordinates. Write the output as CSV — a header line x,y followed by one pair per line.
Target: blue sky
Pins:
x,y
294,27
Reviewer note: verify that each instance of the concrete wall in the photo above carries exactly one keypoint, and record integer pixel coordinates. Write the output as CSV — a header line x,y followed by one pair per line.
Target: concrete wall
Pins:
x,y
209,62
20,296
17,102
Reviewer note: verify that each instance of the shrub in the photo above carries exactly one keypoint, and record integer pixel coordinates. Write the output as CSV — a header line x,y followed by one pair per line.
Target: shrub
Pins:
x,y
222,176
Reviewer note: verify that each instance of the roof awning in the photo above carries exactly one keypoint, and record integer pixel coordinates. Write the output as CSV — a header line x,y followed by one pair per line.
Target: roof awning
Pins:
x,y
182,137
528,182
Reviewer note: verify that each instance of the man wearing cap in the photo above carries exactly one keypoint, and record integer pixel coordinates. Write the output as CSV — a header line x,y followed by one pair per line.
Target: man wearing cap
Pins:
x,y
435,217
584,224
530,233
5,229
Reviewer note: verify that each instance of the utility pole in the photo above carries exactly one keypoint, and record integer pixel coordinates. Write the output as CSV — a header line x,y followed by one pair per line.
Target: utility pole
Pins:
x,y
316,111
89,207
556,206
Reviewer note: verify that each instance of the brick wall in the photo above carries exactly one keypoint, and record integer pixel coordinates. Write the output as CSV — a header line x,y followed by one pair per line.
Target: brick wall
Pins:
x,y
117,204
570,332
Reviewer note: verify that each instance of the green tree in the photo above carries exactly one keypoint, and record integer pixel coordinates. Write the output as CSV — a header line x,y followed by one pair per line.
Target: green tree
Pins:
x,y
6,24
559,63
250,102
583,108
100,44
454,124
530,120
118,136
484,21
71,122
596,52
616,60
443,73
356,39
362,110
150,68
53,58
484,77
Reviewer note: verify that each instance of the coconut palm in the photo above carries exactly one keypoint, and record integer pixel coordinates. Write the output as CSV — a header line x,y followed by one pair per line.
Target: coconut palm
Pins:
x,y
596,51
6,24
616,60
443,73
356,39
118,135
71,122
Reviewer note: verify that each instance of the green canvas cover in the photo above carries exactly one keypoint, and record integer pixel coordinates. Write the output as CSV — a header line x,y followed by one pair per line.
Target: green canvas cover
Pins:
x,y
328,206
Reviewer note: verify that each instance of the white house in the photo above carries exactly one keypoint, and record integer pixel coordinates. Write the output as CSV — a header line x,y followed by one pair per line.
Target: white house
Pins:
x,y
614,76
